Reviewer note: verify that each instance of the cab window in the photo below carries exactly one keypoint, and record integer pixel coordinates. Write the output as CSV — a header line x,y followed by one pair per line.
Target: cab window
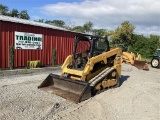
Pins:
x,y
158,53
101,44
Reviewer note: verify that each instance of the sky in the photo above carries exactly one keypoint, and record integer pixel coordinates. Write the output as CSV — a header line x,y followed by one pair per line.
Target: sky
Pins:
x,y
106,14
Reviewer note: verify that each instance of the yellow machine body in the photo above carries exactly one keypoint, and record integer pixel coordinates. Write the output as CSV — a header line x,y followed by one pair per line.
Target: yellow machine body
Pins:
x,y
101,71
85,75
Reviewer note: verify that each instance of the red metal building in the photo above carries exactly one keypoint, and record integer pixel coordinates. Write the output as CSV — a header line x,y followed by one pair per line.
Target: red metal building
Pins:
x,y
53,37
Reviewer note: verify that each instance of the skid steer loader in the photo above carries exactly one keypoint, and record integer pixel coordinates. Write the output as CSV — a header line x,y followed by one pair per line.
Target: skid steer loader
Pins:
x,y
91,68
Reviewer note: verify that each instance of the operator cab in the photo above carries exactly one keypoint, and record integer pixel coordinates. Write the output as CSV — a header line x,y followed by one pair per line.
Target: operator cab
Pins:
x,y
158,52
100,45
86,47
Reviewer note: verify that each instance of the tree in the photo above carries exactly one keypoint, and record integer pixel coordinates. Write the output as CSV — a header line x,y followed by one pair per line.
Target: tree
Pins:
x,y
153,44
4,10
14,13
78,29
59,23
69,25
88,26
123,34
48,21
40,20
99,32
146,46
24,15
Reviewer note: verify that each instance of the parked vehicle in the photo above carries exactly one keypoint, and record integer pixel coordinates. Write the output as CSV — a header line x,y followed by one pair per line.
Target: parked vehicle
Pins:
x,y
155,62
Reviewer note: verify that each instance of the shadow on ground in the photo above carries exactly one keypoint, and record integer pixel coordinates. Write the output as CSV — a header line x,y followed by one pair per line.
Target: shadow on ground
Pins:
x,y
123,78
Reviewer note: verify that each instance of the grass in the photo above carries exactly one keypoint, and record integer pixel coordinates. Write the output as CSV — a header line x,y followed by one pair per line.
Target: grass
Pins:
x,y
147,59
25,71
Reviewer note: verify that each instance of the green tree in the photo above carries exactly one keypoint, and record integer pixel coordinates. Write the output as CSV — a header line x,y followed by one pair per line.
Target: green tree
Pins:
x,y
47,21
24,15
140,45
14,13
99,32
123,34
153,44
88,26
4,10
59,23
40,20
68,27
146,46
78,29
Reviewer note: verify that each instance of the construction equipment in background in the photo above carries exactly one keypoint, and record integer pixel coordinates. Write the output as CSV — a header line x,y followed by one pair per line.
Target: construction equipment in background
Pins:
x,y
91,68
130,57
155,62
134,60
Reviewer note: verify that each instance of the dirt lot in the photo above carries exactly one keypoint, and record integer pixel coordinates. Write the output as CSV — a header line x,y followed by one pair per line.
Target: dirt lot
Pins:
x,y
138,98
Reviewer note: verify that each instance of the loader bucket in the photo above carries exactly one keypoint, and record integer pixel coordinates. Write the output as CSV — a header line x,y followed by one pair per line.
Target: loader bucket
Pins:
x,y
67,88
141,64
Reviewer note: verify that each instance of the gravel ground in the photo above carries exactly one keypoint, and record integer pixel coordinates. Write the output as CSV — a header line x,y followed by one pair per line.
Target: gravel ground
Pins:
x,y
138,98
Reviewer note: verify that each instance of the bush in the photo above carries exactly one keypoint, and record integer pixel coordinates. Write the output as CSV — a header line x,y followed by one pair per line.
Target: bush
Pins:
x,y
146,46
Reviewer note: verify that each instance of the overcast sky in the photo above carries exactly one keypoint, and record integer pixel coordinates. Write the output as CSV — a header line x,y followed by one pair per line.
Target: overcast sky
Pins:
x,y
107,14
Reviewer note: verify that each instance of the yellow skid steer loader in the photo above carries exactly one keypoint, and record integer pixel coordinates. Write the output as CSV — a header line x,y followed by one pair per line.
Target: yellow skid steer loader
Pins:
x,y
91,68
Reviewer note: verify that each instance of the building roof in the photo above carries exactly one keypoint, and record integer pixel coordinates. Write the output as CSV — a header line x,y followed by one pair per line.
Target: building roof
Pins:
x,y
29,22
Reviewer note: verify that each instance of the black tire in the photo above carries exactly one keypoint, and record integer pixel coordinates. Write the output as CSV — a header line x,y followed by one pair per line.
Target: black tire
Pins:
x,y
155,63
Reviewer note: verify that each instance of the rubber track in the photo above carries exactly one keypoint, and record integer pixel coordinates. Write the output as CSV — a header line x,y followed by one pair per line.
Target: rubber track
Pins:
x,y
100,76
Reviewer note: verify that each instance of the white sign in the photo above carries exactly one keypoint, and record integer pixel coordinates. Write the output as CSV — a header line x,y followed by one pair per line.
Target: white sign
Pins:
x,y
25,40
